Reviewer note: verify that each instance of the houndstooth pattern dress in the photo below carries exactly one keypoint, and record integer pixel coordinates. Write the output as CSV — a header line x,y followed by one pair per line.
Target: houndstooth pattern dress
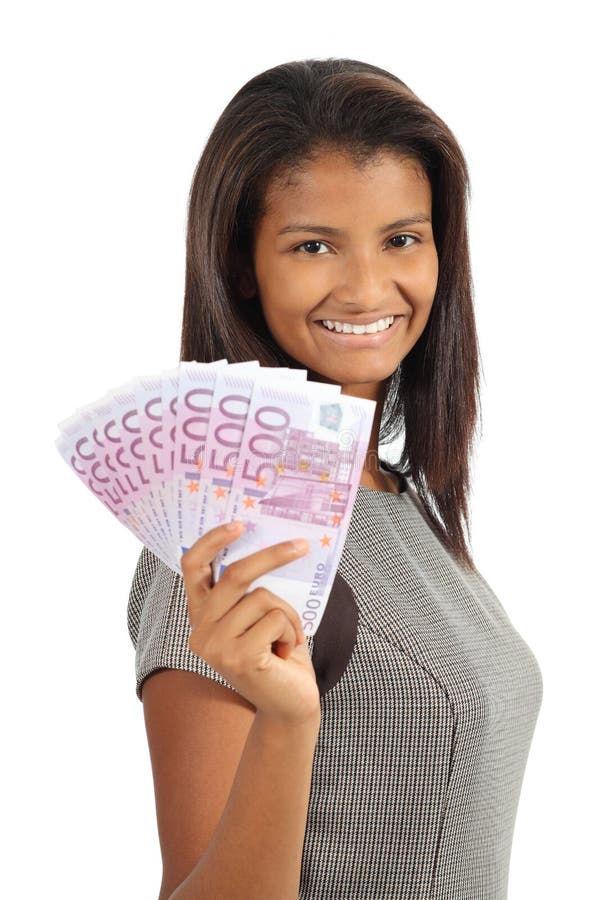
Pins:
x,y
429,703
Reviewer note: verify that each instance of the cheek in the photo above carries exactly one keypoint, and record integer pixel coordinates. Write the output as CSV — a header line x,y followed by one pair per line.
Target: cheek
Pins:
x,y
280,309
433,271
421,285
284,299
421,277
285,319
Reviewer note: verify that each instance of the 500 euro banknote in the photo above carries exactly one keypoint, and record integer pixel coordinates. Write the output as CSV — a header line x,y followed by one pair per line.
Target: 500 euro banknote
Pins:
x,y
175,454
231,400
88,442
299,466
194,404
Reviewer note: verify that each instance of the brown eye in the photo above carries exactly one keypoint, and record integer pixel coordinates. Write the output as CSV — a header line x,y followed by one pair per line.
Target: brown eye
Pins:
x,y
310,244
403,237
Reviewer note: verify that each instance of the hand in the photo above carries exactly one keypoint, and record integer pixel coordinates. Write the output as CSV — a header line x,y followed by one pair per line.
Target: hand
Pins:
x,y
255,640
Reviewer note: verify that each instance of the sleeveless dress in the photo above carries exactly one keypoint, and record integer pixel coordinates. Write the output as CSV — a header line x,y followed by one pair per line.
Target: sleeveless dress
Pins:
x,y
429,702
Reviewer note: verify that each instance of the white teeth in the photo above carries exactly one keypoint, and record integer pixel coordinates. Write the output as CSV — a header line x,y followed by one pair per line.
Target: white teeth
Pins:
x,y
348,328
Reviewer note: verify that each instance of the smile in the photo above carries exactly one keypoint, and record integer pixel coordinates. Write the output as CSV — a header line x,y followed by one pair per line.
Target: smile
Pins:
x,y
349,335
349,328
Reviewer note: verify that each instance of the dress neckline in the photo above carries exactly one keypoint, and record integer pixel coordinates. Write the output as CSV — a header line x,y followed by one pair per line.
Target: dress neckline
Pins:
x,y
400,478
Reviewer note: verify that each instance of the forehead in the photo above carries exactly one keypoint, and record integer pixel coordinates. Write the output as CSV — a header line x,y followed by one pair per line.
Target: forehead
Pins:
x,y
329,179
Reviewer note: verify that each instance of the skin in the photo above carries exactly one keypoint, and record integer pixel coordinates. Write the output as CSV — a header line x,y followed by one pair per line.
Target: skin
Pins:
x,y
362,273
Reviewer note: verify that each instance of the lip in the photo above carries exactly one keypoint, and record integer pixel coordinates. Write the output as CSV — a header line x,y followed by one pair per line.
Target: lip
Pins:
x,y
361,341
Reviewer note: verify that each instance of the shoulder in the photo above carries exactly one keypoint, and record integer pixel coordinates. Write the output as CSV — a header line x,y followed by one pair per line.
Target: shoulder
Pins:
x,y
158,622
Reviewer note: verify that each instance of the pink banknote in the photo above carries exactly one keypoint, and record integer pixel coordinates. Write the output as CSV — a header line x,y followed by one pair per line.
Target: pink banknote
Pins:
x,y
169,382
175,454
233,392
128,458
299,467
148,396
85,442
194,403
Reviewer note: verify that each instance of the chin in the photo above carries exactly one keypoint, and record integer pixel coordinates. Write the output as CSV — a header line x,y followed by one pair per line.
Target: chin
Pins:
x,y
359,375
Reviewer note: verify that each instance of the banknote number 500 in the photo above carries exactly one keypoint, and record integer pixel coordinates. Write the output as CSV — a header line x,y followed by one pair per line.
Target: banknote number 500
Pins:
x,y
268,443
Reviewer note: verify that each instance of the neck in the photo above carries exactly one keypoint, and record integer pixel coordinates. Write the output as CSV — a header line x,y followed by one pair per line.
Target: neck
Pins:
x,y
372,476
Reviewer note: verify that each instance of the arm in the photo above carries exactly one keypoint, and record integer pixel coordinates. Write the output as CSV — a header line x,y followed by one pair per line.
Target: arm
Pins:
x,y
225,834
232,771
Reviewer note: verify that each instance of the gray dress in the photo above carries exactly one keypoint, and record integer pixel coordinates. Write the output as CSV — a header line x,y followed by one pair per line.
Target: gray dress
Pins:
x,y
429,702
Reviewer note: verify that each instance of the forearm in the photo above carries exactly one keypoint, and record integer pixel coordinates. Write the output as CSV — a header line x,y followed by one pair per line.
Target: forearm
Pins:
x,y
256,849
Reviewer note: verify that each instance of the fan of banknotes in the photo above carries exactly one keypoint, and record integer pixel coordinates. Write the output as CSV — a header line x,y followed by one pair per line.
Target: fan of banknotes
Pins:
x,y
175,454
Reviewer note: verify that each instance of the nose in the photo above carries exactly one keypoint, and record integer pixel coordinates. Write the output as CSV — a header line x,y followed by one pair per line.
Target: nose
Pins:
x,y
365,282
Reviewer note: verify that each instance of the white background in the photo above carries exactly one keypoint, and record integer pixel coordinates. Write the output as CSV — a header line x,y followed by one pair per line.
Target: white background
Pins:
x,y
106,110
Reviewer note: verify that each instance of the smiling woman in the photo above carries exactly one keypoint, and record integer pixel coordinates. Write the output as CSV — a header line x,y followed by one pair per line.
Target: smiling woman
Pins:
x,y
383,757
350,147
368,272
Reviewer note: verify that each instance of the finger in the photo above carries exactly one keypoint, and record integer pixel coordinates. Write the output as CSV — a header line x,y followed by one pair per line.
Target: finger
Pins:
x,y
252,607
238,576
284,651
273,628
241,573
196,562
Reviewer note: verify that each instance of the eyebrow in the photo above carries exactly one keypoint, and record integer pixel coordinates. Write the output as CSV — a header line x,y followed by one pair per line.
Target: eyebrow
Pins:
x,y
326,229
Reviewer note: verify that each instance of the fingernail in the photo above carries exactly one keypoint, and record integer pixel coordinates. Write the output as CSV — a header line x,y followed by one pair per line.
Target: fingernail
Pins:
x,y
233,526
300,544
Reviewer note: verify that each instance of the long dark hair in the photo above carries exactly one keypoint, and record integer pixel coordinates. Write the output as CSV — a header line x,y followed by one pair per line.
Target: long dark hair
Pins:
x,y
277,121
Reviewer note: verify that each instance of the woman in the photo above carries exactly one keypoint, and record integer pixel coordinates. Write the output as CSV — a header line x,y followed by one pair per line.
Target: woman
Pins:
x,y
382,758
